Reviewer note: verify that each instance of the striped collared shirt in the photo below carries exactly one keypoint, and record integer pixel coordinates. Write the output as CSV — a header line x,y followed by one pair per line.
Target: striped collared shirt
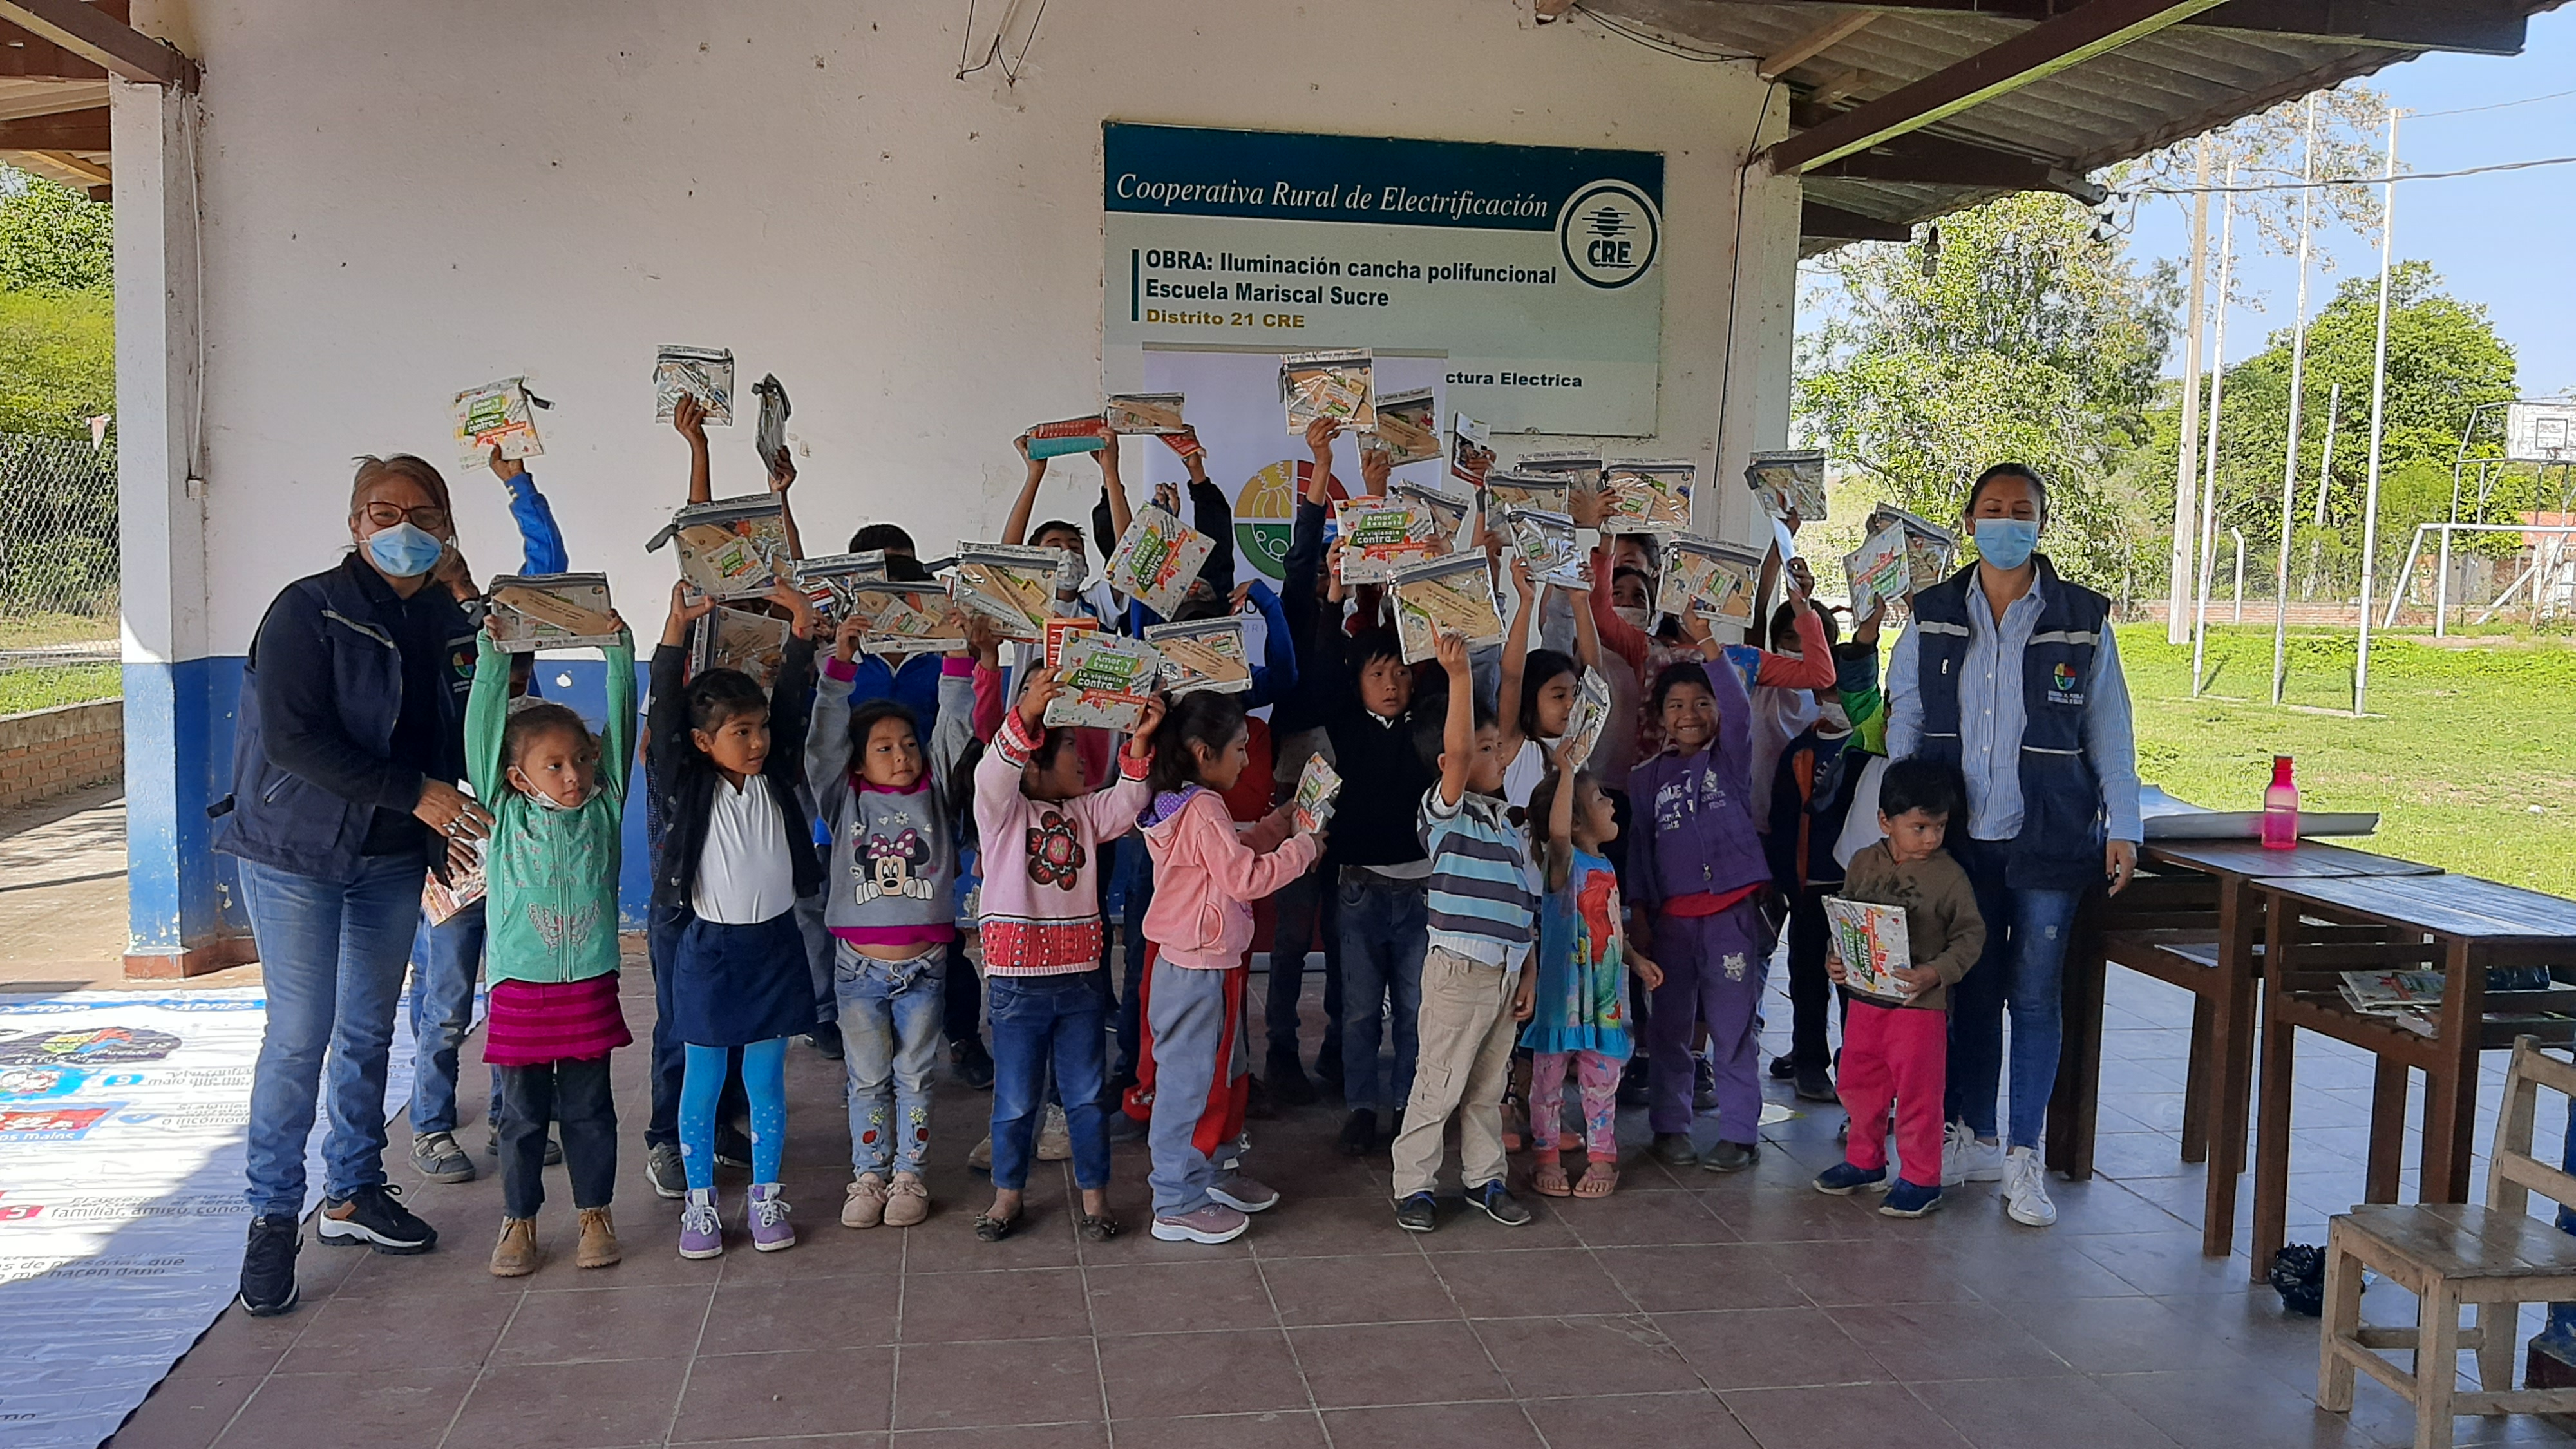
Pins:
x,y
1483,895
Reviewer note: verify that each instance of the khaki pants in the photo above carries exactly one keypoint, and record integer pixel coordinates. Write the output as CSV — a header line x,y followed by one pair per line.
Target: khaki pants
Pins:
x,y
1466,1032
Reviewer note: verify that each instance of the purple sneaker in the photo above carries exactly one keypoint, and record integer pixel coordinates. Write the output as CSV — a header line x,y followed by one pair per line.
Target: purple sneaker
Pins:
x,y
771,1232
701,1231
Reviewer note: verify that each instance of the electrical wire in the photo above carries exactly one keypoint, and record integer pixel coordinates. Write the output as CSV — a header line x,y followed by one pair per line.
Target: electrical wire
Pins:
x,y
1011,69
1657,43
2498,106
1735,274
2343,180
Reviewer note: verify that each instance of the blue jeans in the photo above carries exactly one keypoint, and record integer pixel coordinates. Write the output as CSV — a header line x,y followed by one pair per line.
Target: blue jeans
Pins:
x,y
1131,988
1386,927
1038,1020
332,958
890,1014
2021,970
445,959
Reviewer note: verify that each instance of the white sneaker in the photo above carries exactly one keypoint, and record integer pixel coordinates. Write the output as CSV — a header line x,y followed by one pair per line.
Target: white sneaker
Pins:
x,y
1965,1159
2026,1189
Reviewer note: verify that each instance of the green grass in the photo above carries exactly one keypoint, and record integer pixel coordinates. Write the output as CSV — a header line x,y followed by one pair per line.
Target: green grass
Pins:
x,y
36,631
2465,754
25,689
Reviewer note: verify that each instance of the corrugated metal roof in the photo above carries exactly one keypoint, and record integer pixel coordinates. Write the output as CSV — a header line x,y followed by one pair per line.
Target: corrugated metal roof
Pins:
x,y
2153,92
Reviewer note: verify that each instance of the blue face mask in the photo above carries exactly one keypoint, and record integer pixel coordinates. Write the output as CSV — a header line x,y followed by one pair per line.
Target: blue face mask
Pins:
x,y
405,550
2005,542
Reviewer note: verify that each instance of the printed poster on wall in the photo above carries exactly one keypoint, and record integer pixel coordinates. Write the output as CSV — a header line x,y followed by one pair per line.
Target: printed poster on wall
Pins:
x,y
1535,271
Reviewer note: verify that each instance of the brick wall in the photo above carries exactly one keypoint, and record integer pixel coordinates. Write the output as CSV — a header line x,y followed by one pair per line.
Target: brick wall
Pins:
x,y
50,752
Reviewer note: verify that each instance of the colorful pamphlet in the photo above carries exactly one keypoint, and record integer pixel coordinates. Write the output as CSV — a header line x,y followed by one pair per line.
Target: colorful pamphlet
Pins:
x,y
826,580
1407,427
1062,627
905,618
769,437
1789,481
1586,720
1010,584
1379,536
1311,808
1580,466
2392,993
441,900
704,373
1546,542
1878,570
1471,453
1332,385
1202,654
1159,559
727,638
1448,594
1546,492
496,415
1441,512
1711,580
1871,940
732,548
1107,681
1647,497
1067,435
1931,551
551,611
1157,414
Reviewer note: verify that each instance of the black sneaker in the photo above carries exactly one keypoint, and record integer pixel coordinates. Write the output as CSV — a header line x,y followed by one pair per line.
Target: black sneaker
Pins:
x,y
1634,1088
826,1038
1289,1085
436,1157
268,1266
733,1146
1730,1157
374,1217
1673,1149
1419,1214
1359,1137
664,1169
1815,1085
1257,1103
973,1064
1784,1066
1703,1086
492,1148
1499,1204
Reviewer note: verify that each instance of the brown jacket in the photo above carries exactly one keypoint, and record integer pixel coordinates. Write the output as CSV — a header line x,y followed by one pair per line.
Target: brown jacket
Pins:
x,y
1942,927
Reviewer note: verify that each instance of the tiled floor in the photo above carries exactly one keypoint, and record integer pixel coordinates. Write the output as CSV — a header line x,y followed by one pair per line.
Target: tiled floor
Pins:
x,y
1688,1309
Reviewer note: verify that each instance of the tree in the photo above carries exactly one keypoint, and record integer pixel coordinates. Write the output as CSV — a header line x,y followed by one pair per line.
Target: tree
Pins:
x,y
2008,331
57,312
52,238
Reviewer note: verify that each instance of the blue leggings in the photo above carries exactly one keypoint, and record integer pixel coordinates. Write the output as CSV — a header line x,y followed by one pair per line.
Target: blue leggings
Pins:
x,y
764,1081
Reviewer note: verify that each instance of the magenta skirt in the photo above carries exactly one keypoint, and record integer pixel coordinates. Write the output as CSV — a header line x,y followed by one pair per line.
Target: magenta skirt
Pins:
x,y
535,1023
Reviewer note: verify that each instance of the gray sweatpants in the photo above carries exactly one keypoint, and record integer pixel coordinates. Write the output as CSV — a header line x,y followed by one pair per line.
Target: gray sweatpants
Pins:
x,y
1185,1007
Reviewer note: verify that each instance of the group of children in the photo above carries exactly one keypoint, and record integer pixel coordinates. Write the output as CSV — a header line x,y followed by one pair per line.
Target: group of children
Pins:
x,y
1487,899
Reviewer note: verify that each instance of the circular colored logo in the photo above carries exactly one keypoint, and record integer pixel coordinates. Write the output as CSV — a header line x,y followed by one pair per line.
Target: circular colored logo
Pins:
x,y
2064,674
1609,231
1265,513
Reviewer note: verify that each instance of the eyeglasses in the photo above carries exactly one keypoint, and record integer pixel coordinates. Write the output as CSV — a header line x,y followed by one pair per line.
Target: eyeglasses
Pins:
x,y
386,515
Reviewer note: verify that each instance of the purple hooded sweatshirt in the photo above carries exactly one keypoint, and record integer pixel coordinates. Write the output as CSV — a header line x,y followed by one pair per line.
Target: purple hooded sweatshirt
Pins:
x,y
1692,815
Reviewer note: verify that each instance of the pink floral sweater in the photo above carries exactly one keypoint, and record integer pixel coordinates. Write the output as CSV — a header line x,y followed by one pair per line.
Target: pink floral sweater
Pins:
x,y
1041,900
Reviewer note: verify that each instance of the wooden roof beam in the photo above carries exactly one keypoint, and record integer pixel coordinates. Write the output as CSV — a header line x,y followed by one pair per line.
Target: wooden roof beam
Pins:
x,y
2034,55
83,130
1814,43
91,34
1929,159
1832,223
2474,27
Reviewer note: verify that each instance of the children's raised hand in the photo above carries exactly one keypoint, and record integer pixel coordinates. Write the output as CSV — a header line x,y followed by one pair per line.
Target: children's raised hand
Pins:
x,y
1450,647
1140,741
782,471
1041,690
1320,433
505,469
688,606
1242,595
1647,971
1586,505
1167,496
1522,584
689,419
800,609
1375,464
845,640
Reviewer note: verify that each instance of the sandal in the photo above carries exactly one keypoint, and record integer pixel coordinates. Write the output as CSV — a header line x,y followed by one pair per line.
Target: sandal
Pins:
x,y
1548,1179
992,1229
1600,1179
1095,1229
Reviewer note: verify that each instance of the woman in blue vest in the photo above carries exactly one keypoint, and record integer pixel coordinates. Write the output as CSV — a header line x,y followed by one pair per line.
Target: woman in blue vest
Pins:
x,y
2010,672
347,748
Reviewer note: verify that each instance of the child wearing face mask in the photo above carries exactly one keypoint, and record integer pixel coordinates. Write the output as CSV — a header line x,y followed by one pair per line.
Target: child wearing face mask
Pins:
x,y
550,871
890,904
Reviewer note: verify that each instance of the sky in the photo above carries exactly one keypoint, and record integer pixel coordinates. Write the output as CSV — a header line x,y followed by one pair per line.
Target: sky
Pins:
x,y
2501,240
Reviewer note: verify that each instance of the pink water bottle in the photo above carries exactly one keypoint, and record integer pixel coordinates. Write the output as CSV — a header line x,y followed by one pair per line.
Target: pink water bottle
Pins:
x,y
2281,808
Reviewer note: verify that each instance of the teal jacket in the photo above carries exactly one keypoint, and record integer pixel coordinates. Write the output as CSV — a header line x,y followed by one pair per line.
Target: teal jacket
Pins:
x,y
550,875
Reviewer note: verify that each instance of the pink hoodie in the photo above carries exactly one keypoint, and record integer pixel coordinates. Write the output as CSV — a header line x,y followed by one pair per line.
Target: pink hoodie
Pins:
x,y
1206,876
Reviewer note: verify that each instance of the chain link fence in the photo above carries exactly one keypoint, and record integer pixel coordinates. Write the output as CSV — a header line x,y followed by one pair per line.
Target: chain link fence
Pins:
x,y
58,553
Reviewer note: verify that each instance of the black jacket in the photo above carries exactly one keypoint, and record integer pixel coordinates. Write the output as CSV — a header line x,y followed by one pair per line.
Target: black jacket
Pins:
x,y
1377,817
683,779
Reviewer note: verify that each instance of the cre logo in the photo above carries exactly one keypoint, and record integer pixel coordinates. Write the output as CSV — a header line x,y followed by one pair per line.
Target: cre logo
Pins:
x,y
1609,232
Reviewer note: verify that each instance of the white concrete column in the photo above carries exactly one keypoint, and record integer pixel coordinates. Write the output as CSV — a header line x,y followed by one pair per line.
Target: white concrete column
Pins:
x,y
1762,308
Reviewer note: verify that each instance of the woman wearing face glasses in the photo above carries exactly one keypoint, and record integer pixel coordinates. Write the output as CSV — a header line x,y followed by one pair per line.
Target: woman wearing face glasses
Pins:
x,y
2011,673
348,746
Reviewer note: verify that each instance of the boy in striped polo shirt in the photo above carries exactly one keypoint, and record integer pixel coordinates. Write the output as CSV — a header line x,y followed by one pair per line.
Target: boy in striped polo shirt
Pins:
x,y
1483,909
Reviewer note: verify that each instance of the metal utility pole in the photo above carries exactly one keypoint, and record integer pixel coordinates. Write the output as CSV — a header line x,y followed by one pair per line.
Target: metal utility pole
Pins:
x,y
2209,479
2378,420
2239,535
2178,595
2290,449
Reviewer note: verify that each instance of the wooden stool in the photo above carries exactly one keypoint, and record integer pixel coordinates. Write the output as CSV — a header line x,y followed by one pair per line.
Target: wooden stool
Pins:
x,y
2448,1254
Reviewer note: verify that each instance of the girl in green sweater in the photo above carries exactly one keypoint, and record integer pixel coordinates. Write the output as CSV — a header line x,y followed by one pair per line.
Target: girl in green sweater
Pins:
x,y
550,872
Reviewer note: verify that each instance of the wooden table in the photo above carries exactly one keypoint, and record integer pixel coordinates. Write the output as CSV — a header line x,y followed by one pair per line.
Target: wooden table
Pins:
x,y
2460,925
2187,919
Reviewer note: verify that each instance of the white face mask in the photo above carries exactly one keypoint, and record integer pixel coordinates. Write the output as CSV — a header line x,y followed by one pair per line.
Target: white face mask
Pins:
x,y
1073,573
1637,619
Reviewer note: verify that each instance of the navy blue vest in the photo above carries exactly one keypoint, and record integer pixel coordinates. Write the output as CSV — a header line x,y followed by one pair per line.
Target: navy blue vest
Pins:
x,y
2062,829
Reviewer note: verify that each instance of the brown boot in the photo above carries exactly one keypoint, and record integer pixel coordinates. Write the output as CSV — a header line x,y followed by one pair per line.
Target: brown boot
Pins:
x,y
516,1255
598,1246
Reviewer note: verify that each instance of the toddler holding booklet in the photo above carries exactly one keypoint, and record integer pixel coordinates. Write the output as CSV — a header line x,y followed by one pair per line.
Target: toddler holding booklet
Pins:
x,y
1896,1038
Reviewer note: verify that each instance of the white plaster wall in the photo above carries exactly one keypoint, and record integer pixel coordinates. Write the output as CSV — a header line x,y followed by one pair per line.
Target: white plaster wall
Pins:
x,y
402,200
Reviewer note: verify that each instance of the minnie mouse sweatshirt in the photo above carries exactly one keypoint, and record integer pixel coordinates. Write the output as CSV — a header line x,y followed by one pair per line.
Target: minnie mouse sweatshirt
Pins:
x,y
892,880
